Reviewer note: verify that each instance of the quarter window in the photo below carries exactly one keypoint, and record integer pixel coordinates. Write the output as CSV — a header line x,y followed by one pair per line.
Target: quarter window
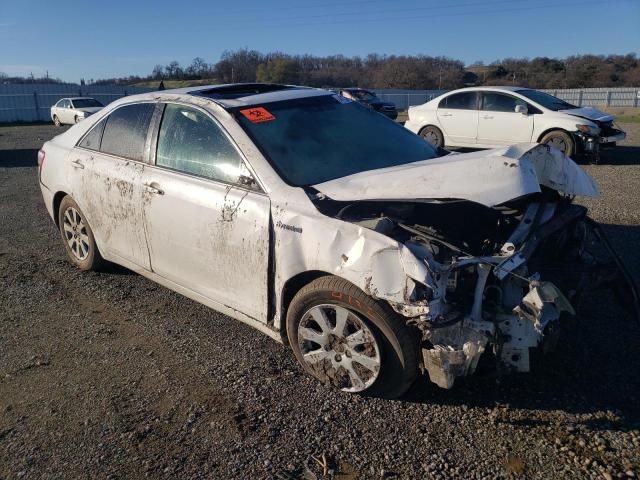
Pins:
x,y
460,101
499,102
191,142
126,131
92,139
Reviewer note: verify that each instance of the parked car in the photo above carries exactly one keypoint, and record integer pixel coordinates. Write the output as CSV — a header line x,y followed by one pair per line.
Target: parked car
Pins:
x,y
490,117
370,99
329,228
74,109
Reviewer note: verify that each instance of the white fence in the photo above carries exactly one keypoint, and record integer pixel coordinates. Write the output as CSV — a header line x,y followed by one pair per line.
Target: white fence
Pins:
x,y
607,97
32,102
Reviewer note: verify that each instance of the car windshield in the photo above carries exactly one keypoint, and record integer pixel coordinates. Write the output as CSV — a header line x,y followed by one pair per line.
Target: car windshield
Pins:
x,y
86,103
363,95
314,140
546,100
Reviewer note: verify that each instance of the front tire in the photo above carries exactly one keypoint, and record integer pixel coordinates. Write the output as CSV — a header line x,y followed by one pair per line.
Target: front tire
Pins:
x,y
560,140
346,339
77,236
433,136
56,121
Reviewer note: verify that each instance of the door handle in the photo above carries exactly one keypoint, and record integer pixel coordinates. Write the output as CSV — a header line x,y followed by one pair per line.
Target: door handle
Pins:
x,y
77,164
153,188
487,117
447,115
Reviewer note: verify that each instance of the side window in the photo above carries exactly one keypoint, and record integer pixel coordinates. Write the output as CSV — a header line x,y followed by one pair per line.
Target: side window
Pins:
x,y
65,103
191,142
60,104
126,131
460,101
499,102
92,139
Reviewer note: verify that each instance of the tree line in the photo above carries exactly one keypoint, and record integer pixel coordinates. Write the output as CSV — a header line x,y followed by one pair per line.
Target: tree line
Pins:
x,y
397,71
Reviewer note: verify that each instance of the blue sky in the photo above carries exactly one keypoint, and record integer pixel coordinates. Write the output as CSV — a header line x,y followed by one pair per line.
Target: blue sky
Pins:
x,y
96,39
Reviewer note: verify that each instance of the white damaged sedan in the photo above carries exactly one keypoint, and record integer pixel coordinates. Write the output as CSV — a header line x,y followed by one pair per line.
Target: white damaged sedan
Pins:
x,y
329,228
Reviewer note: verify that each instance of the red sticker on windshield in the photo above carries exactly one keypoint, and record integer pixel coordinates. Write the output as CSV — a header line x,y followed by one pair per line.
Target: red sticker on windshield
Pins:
x,y
257,115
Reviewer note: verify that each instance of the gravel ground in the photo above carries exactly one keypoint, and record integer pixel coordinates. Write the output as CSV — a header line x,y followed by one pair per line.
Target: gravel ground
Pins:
x,y
109,375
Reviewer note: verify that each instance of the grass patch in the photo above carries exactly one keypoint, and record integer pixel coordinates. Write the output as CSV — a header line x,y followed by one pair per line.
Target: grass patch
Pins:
x,y
628,119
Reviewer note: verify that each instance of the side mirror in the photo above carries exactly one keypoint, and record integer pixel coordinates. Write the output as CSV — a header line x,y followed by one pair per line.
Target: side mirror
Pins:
x,y
522,109
246,179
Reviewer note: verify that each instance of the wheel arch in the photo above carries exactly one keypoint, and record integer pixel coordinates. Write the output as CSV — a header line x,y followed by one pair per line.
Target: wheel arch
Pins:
x,y
553,129
292,286
57,200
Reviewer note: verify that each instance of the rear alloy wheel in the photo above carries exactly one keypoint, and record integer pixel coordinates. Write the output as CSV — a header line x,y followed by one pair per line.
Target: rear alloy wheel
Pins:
x,y
76,119
432,135
56,121
348,340
560,140
77,236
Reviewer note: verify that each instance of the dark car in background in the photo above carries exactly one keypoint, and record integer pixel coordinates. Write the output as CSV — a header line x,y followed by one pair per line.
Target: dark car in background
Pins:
x,y
370,99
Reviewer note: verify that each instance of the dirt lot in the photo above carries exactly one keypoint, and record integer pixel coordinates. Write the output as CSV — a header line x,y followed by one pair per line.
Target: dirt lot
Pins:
x,y
108,375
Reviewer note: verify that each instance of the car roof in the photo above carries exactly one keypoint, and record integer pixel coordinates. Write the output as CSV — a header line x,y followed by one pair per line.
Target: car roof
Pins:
x,y
497,88
248,94
78,98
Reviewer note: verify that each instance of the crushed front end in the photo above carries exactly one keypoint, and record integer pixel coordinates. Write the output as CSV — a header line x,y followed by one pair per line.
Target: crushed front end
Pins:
x,y
502,280
507,295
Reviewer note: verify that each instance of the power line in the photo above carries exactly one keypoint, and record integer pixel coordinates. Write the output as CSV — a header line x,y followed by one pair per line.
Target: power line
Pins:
x,y
420,17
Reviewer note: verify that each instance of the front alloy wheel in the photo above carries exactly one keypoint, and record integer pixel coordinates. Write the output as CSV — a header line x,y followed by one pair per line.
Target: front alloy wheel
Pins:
x,y
346,339
336,342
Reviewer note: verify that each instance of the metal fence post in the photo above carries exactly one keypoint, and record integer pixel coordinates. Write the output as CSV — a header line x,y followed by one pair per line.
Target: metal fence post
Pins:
x,y
580,98
35,101
608,98
635,99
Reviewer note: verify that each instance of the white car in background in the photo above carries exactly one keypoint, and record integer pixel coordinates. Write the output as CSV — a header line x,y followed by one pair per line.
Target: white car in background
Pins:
x,y
74,109
491,117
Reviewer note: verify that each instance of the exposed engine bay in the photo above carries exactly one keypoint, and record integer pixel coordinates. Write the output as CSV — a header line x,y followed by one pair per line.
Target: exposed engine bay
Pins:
x,y
501,279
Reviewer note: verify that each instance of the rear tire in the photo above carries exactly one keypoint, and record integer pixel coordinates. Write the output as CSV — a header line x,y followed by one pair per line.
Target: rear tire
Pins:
x,y
346,339
560,140
433,136
76,119
56,121
77,236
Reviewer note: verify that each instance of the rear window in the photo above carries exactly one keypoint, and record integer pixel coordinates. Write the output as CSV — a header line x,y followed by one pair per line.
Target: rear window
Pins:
x,y
86,103
317,139
460,101
126,131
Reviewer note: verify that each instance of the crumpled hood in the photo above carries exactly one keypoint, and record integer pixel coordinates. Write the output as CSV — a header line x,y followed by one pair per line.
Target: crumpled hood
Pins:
x,y
489,177
589,113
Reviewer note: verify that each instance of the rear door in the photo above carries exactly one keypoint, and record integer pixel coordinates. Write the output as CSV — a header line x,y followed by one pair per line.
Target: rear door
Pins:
x,y
106,170
499,124
458,116
206,231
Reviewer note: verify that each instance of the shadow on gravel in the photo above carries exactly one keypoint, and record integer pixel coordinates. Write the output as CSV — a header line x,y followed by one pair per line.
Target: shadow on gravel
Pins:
x,y
24,157
597,371
620,155
113,269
